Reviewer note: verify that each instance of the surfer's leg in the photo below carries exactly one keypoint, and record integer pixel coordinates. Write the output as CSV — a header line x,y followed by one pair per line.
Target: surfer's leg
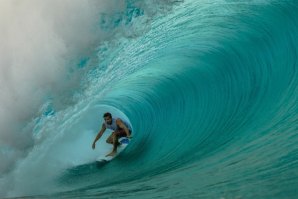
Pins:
x,y
115,144
110,139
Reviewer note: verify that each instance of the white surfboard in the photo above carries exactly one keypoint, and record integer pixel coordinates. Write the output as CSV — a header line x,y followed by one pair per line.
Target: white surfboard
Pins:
x,y
124,141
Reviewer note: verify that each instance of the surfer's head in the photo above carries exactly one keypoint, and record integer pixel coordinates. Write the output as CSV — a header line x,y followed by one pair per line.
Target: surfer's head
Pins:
x,y
108,118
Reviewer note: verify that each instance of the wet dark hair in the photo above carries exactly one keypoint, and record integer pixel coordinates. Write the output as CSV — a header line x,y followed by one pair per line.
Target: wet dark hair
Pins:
x,y
107,114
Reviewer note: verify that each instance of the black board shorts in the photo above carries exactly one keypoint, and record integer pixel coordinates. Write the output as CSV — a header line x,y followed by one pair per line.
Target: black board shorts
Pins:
x,y
121,133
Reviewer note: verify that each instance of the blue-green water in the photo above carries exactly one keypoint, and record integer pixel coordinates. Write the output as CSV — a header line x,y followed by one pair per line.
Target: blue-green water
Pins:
x,y
210,88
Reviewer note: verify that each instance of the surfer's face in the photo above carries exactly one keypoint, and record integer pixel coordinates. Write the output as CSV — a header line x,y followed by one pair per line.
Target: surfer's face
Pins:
x,y
108,120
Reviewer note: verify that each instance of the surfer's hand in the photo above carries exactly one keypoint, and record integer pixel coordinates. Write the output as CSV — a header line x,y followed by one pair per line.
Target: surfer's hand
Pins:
x,y
93,145
129,136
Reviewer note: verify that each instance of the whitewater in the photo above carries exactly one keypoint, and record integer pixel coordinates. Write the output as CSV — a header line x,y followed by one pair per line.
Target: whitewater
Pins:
x,y
210,89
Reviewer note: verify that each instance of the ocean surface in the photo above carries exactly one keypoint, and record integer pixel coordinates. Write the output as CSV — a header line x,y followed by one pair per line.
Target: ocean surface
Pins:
x,y
209,87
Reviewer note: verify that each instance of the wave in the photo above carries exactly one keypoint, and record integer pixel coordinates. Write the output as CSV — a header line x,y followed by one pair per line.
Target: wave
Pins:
x,y
210,89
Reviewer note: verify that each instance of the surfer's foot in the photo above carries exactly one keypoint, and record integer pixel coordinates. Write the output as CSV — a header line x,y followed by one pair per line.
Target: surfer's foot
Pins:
x,y
111,154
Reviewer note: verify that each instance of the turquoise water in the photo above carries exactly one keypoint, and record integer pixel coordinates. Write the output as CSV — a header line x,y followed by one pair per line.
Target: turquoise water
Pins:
x,y
210,88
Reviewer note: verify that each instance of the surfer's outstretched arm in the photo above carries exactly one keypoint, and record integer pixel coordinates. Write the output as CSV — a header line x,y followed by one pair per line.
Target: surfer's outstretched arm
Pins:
x,y
102,130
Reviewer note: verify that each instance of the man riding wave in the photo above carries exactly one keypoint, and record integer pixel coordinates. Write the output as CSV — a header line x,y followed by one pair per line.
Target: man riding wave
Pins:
x,y
120,129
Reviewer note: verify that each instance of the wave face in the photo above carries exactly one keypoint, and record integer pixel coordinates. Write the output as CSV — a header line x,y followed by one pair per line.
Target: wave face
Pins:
x,y
210,88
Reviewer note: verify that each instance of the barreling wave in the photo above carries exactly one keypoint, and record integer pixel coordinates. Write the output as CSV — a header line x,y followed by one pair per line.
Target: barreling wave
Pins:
x,y
211,91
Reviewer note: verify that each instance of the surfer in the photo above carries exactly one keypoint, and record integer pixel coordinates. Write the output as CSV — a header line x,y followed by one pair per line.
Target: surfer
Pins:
x,y
120,129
